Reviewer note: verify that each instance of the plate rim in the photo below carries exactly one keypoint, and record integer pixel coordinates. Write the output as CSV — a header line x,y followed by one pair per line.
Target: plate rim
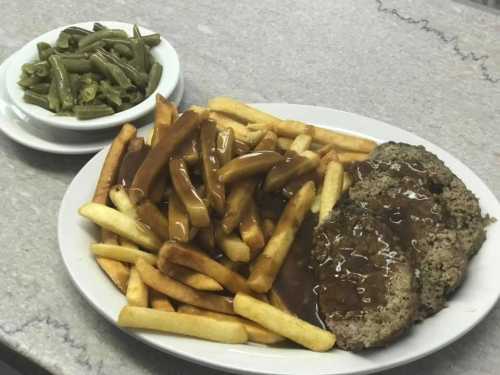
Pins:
x,y
206,362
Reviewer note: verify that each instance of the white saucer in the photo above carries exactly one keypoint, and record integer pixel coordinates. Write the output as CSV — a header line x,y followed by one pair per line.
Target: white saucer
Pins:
x,y
31,133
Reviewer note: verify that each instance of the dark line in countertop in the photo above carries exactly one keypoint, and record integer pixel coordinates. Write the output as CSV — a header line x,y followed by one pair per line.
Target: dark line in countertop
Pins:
x,y
81,358
426,26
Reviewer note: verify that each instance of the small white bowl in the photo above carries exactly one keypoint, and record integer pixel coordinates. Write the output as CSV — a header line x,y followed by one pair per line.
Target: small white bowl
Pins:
x,y
164,53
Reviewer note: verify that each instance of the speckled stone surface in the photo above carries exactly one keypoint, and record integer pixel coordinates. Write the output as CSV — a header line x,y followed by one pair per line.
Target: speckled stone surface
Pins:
x,y
431,67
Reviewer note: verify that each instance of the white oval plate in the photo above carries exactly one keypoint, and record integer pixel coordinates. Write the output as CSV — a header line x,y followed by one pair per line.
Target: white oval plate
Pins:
x,y
31,133
468,306
164,53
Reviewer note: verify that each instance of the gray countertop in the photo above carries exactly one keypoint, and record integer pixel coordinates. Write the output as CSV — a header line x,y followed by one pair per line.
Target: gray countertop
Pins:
x,y
431,67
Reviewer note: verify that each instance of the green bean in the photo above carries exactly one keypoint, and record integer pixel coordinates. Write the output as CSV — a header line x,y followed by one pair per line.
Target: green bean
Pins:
x,y
32,97
77,65
42,69
88,112
111,94
88,78
154,78
123,50
139,79
75,55
46,53
41,47
135,97
98,26
88,92
110,41
91,47
40,88
62,82
63,41
99,63
75,84
101,34
75,30
124,107
119,77
152,40
26,82
139,51
53,97
148,59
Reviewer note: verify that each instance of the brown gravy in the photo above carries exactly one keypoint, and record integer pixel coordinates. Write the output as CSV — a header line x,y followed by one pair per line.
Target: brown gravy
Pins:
x,y
296,283
130,164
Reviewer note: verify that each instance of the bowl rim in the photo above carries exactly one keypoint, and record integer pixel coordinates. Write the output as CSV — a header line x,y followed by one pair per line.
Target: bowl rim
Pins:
x,y
166,86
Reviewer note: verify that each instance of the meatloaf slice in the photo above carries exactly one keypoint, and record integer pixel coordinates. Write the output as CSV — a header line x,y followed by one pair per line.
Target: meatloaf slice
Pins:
x,y
431,211
367,290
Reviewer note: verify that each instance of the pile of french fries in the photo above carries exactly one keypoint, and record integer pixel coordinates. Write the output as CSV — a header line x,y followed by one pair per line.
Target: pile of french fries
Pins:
x,y
195,194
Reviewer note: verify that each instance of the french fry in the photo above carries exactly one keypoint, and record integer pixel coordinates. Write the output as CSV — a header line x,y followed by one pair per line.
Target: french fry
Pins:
x,y
151,215
187,256
240,147
242,191
272,257
183,324
210,164
238,109
346,182
256,333
276,300
332,189
109,174
180,292
251,230
284,324
121,253
324,149
293,166
248,165
268,228
331,155
237,200
268,142
234,248
241,132
291,129
165,115
225,142
137,291
263,126
316,203
295,184
116,222
119,196
194,205
158,157
117,272
206,237
301,143
178,219
137,150
284,143
160,301
233,266
128,244
198,281
189,151
350,157
109,171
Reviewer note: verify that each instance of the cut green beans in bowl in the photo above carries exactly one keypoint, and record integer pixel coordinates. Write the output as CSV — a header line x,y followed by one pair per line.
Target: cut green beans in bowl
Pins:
x,y
92,75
